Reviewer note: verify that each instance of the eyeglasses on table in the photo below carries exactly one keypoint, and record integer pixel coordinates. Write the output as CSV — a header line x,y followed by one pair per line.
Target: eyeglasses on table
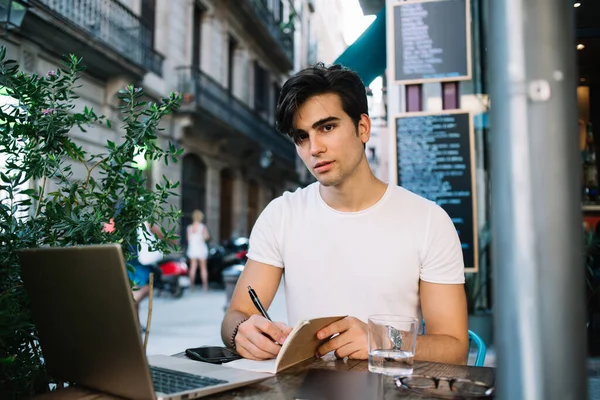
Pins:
x,y
461,387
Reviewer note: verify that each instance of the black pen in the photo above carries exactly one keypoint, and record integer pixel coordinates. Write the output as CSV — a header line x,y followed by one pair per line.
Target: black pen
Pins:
x,y
258,304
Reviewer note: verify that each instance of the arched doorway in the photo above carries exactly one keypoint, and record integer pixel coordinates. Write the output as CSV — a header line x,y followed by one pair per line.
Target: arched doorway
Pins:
x,y
253,199
226,220
193,190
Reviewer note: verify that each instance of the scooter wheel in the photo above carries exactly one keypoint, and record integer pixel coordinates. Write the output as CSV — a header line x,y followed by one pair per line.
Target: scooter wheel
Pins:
x,y
176,290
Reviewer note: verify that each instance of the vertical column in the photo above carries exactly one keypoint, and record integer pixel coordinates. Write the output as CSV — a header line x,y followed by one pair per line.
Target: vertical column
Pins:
x,y
264,197
240,204
536,209
213,200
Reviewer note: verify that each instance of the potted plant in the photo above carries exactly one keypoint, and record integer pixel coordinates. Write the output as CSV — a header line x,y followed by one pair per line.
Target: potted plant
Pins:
x,y
44,203
480,317
591,262
287,27
187,90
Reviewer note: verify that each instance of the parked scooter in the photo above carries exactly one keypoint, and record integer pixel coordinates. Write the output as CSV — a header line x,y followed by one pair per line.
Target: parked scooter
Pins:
x,y
171,276
229,252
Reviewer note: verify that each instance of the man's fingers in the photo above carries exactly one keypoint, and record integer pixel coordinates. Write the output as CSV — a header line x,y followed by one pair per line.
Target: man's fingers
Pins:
x,y
351,350
284,328
264,343
252,331
332,344
333,328
272,330
360,354
249,350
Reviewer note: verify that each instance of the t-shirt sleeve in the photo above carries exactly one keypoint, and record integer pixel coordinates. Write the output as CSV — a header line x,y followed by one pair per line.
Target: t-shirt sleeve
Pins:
x,y
264,243
442,258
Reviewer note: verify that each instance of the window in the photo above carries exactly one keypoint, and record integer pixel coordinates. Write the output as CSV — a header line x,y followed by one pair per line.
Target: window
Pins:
x,y
197,38
230,62
261,88
279,16
149,19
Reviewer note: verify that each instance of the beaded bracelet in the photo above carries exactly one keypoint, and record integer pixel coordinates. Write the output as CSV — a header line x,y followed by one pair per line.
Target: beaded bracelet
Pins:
x,y
235,331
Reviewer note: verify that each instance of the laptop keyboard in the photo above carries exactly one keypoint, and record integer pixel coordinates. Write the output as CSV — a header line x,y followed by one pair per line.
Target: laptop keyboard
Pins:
x,y
169,381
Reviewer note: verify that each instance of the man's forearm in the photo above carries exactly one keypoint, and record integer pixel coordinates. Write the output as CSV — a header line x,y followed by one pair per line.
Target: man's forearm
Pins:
x,y
231,321
441,348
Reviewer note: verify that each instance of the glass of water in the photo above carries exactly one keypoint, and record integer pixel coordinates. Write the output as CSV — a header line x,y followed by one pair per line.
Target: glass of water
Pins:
x,y
392,344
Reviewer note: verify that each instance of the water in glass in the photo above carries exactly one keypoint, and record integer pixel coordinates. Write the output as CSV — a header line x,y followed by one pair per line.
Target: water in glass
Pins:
x,y
391,362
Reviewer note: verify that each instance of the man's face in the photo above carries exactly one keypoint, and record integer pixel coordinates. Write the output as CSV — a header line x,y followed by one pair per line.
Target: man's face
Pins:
x,y
327,141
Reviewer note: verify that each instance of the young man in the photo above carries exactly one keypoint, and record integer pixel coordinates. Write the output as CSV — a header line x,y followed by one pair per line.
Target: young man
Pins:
x,y
349,244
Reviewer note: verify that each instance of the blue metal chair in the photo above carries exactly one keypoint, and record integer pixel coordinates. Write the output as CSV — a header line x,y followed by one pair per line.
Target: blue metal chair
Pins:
x,y
481,348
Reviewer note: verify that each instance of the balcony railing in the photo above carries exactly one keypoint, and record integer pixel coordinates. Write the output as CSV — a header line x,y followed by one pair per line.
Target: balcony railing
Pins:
x,y
205,93
284,38
112,24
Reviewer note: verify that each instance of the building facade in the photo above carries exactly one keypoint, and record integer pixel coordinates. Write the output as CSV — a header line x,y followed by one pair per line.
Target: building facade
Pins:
x,y
324,31
230,73
227,58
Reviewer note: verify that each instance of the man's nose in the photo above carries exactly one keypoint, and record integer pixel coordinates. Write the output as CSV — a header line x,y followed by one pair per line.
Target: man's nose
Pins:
x,y
316,146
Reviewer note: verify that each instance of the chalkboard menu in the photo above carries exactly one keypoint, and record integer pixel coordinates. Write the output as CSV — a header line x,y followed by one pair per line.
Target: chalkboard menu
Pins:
x,y
435,160
432,41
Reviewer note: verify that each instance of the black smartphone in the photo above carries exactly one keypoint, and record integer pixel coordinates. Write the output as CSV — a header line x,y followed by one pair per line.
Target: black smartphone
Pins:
x,y
212,354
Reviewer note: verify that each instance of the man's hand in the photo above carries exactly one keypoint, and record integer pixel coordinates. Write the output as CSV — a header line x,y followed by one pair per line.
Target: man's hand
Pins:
x,y
256,338
351,341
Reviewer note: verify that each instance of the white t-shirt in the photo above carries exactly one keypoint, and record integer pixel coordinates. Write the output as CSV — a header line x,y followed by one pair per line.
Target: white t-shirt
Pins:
x,y
356,263
145,256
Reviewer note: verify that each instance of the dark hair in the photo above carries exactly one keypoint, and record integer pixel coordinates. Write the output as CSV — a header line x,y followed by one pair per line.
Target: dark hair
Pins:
x,y
317,80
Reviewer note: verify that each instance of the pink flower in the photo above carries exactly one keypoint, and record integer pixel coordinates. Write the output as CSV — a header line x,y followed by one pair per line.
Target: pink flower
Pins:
x,y
110,227
47,111
51,73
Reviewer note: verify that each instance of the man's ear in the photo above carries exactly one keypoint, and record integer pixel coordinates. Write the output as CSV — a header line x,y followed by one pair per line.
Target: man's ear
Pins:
x,y
364,128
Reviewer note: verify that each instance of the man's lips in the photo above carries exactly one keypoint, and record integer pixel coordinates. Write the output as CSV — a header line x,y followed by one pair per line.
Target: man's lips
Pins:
x,y
323,166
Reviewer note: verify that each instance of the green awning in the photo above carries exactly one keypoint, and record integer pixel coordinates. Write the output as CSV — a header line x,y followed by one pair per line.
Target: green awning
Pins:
x,y
367,55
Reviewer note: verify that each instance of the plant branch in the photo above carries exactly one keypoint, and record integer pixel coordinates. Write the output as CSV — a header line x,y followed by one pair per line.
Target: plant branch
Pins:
x,y
89,171
149,320
39,205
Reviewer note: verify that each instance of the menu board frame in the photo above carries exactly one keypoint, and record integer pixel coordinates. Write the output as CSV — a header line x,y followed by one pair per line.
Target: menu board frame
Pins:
x,y
469,60
471,161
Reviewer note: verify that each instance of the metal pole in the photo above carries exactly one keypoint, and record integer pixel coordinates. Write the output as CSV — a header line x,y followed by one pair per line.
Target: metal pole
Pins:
x,y
536,210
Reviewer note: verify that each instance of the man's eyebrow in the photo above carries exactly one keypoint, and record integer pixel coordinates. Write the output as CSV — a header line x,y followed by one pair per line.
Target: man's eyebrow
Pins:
x,y
320,122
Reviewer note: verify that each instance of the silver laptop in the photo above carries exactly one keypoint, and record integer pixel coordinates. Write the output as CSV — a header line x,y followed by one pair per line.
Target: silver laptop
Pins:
x,y
89,333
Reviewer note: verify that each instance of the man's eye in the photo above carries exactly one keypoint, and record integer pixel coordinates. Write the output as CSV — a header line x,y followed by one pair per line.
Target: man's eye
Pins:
x,y
298,139
328,128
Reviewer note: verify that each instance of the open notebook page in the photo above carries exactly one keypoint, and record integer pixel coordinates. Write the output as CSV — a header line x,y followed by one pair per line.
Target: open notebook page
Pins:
x,y
300,345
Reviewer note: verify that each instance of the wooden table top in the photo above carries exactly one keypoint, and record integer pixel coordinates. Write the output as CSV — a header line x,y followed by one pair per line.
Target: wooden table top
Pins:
x,y
287,384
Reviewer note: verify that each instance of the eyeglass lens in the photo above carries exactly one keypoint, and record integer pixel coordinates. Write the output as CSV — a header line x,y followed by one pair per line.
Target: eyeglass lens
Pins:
x,y
419,382
469,387
461,386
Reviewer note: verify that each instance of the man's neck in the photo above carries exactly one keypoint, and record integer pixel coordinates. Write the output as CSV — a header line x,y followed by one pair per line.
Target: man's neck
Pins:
x,y
356,194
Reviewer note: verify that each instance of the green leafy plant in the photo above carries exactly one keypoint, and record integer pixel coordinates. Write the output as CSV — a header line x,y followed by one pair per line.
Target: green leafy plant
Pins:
x,y
591,256
288,26
44,202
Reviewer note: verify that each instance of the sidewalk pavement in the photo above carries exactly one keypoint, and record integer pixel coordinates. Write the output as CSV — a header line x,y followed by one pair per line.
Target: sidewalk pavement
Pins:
x,y
195,320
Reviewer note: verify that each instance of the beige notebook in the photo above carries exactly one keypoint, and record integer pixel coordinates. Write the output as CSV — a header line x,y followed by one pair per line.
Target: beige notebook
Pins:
x,y
300,345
